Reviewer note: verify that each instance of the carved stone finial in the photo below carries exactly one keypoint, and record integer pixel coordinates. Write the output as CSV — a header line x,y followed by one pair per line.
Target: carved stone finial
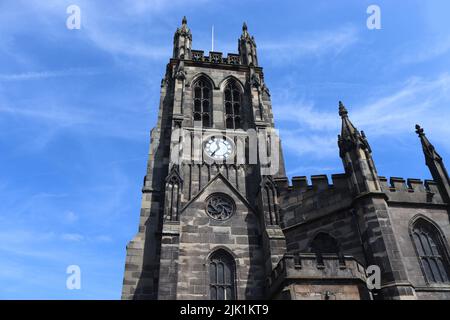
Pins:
x,y
428,148
244,27
184,21
342,110
419,131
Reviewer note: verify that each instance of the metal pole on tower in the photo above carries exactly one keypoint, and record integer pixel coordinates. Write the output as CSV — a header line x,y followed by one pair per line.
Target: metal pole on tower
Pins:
x,y
212,39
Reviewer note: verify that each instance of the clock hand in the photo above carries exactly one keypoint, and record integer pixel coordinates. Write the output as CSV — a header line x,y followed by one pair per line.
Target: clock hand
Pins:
x,y
211,150
218,148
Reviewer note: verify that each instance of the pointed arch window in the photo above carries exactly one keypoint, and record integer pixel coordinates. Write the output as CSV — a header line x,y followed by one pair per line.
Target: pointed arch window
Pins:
x,y
172,198
431,251
202,102
271,209
221,276
232,106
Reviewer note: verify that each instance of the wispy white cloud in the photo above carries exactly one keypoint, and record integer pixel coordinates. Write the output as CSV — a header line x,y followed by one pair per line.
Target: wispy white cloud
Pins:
x,y
48,74
76,237
121,44
48,253
58,119
156,6
108,28
423,52
306,114
103,238
316,144
417,100
70,217
313,44
59,115
12,238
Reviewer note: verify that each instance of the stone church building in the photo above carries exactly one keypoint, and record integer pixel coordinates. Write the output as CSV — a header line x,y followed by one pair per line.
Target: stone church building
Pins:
x,y
220,219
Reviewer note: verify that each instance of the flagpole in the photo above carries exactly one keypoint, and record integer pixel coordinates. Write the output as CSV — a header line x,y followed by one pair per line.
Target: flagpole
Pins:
x,y
212,39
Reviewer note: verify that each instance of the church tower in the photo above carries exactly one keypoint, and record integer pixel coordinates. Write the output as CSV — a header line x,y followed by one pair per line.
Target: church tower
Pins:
x,y
210,219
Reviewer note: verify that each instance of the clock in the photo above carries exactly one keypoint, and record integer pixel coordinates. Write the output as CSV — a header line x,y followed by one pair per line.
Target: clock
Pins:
x,y
218,148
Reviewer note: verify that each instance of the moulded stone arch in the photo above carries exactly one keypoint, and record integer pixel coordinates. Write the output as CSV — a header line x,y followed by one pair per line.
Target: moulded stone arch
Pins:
x,y
228,260
225,81
199,76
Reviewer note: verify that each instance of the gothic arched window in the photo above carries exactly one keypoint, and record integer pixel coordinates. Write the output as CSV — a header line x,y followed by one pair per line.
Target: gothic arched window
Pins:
x,y
431,251
221,276
202,102
173,197
232,106
271,209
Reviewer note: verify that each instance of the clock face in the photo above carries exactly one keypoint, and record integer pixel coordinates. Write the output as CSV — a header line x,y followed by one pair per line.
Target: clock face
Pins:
x,y
218,148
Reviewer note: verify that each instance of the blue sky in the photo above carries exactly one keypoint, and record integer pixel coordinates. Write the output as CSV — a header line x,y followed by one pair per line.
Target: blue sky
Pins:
x,y
76,108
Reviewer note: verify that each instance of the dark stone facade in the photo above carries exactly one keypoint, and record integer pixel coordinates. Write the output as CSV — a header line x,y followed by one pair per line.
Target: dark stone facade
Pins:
x,y
286,240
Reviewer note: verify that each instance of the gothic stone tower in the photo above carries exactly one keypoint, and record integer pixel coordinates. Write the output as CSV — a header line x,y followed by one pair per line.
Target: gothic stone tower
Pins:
x,y
209,223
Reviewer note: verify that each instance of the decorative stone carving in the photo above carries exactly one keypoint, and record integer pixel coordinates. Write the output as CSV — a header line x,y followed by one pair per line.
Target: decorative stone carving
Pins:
x,y
180,74
220,206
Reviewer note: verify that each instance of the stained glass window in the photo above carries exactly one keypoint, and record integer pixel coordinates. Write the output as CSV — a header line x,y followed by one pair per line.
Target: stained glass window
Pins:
x,y
202,102
222,276
232,106
431,252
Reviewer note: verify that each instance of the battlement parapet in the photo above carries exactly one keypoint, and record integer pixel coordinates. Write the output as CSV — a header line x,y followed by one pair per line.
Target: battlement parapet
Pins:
x,y
340,182
318,183
397,184
411,190
300,267
216,57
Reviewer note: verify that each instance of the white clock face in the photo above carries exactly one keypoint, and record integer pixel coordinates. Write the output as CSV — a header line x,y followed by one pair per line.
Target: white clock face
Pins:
x,y
218,148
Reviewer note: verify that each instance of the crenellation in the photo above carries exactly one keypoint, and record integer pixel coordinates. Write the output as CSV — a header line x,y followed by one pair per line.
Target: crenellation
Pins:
x,y
431,186
300,184
216,57
398,184
411,190
409,185
320,182
340,181
416,185
282,184
384,183
305,268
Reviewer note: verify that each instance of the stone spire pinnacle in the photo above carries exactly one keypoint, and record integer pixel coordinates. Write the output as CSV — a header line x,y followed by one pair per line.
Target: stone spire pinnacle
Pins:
x,y
348,129
350,137
247,48
428,148
184,28
356,155
342,110
436,165
245,34
182,41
